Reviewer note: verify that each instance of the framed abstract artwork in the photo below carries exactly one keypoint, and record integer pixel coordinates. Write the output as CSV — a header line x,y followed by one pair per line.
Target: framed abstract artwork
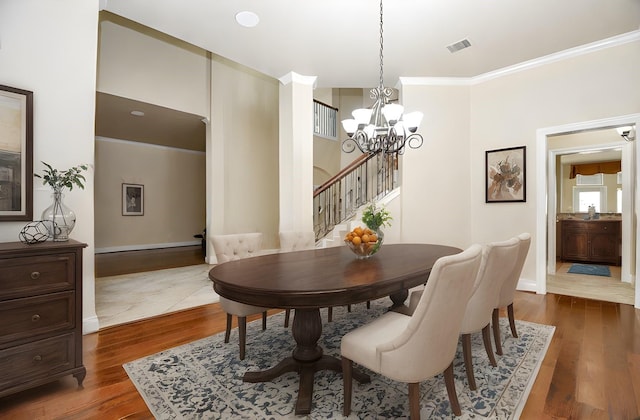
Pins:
x,y
505,175
16,154
132,200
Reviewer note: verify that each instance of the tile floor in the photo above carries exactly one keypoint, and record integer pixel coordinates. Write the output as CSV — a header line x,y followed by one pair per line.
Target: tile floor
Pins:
x,y
129,297
609,289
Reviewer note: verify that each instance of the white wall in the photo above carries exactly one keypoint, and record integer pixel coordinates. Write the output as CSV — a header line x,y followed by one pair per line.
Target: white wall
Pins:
x,y
50,48
507,111
436,178
243,153
174,195
153,68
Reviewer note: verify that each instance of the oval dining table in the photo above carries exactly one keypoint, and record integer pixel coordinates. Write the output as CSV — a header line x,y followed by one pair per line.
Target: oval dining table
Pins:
x,y
309,280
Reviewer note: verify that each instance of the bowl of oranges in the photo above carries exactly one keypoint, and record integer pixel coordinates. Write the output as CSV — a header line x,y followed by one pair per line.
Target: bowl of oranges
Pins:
x,y
363,242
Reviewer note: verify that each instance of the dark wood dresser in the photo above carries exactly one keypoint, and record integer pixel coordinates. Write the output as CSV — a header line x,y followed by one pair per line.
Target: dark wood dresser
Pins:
x,y
40,313
596,241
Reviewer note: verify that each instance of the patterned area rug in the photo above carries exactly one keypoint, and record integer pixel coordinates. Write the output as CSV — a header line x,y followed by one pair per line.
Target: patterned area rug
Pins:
x,y
203,379
590,269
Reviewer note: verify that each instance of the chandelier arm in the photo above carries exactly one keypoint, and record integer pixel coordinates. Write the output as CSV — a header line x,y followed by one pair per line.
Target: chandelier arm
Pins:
x,y
415,140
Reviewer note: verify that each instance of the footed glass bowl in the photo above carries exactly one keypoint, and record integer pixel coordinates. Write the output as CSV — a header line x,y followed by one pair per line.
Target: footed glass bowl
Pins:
x,y
364,242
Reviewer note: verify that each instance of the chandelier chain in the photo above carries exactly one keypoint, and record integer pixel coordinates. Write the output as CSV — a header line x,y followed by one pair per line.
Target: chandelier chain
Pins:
x,y
381,47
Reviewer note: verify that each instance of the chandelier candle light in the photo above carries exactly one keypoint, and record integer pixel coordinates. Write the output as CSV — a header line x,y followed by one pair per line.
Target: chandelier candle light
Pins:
x,y
384,128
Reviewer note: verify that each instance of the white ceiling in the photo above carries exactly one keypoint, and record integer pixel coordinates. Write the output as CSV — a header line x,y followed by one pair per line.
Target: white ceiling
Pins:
x,y
338,40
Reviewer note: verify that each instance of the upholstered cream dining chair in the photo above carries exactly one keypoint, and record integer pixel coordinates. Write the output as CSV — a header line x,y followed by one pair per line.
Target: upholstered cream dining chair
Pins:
x,y
231,248
498,259
295,241
413,348
508,290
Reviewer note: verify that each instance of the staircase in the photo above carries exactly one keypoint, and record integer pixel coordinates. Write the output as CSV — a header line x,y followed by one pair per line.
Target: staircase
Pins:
x,y
336,236
338,203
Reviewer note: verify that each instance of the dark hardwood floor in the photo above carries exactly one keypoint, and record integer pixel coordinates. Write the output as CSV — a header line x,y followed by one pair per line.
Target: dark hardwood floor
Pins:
x,y
591,370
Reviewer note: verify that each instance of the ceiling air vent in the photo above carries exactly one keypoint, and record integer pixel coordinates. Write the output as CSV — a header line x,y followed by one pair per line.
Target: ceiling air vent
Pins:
x,y
460,45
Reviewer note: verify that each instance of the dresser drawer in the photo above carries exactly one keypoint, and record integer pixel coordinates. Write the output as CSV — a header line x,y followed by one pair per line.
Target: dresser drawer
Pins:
x,y
36,360
27,276
604,227
29,317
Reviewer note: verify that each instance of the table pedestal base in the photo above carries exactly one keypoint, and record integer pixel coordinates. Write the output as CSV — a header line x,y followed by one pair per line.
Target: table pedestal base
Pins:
x,y
306,371
307,359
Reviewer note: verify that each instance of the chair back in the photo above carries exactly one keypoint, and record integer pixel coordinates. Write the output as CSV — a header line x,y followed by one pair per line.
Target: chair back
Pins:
x,y
509,286
297,240
236,246
428,344
498,260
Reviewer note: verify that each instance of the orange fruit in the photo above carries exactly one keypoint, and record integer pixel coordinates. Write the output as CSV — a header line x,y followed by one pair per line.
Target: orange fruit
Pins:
x,y
356,240
373,238
358,231
365,238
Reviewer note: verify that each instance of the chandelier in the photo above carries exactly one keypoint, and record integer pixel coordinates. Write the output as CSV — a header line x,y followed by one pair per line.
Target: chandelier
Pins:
x,y
384,127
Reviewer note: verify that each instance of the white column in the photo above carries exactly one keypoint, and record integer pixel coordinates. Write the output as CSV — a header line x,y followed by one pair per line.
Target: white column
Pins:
x,y
296,152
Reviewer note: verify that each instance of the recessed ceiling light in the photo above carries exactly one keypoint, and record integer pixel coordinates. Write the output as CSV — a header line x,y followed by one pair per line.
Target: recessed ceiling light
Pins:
x,y
137,113
247,19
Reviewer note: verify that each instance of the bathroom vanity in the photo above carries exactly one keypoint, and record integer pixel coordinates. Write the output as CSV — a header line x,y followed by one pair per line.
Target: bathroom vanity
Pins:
x,y
594,241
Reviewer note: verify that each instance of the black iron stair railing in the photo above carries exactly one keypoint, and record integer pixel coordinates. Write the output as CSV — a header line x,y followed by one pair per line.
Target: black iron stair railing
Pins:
x,y
366,179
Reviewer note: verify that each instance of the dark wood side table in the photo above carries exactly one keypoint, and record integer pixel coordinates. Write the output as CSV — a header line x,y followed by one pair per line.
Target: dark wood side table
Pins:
x,y
309,280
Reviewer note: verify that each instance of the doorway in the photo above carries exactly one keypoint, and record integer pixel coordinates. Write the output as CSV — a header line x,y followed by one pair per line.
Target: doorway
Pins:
x,y
547,196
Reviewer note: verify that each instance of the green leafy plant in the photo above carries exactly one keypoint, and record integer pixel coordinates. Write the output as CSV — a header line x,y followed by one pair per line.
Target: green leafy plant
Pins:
x,y
376,217
59,180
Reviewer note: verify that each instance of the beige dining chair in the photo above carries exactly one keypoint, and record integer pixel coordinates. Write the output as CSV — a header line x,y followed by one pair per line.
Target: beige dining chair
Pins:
x,y
498,260
413,348
230,248
508,290
291,241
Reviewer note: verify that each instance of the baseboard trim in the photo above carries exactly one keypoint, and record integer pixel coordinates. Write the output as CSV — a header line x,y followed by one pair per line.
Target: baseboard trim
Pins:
x,y
107,250
90,325
526,285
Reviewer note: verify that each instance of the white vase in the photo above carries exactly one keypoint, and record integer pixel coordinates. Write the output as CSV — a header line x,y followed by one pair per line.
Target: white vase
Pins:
x,y
59,219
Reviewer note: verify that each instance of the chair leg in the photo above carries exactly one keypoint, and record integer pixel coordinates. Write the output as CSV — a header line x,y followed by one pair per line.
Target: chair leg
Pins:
x,y
414,401
228,330
264,321
242,334
368,304
495,322
486,338
512,321
348,308
287,315
468,360
347,374
330,313
451,390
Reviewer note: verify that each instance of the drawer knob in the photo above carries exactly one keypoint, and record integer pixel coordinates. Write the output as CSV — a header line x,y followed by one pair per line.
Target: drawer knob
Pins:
x,y
37,358
35,318
35,275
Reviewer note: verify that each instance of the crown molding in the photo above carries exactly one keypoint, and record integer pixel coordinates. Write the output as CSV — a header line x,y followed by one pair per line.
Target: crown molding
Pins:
x,y
603,44
293,77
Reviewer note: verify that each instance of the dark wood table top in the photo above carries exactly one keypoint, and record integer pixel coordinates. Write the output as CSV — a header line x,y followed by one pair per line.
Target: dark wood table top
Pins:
x,y
325,277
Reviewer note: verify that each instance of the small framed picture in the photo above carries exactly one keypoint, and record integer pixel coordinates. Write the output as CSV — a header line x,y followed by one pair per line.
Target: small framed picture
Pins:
x,y
132,200
505,175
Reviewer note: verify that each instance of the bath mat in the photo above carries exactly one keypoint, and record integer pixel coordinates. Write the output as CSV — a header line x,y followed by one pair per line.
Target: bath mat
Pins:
x,y
590,269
